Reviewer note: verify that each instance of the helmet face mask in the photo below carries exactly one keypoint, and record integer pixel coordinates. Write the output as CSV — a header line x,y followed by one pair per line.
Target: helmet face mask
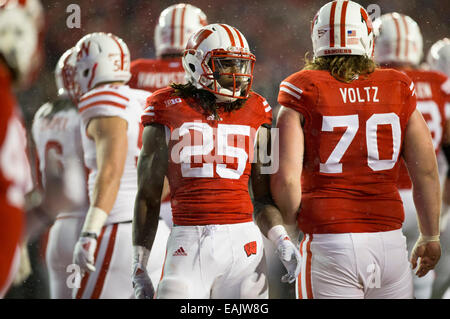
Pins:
x,y
218,59
231,73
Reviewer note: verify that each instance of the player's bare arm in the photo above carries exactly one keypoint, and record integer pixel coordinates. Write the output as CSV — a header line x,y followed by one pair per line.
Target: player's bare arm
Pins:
x,y
446,151
421,161
151,170
110,136
267,215
285,184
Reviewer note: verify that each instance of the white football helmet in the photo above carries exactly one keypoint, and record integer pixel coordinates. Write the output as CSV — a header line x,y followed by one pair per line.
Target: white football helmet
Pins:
x,y
65,75
218,59
33,9
175,25
59,76
398,39
18,42
438,57
342,28
101,57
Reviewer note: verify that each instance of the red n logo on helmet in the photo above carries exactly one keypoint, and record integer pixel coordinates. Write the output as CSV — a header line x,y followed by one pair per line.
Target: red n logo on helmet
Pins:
x,y
197,39
84,50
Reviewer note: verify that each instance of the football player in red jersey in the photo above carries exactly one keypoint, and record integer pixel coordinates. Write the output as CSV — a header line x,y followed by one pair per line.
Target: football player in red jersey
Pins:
x,y
343,126
201,134
175,25
438,59
18,39
399,45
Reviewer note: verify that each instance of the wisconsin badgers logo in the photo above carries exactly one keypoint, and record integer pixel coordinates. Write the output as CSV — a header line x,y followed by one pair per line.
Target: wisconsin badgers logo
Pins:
x,y
250,248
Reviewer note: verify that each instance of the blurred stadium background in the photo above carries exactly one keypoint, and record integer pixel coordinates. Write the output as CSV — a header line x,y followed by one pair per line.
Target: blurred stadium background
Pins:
x,y
278,33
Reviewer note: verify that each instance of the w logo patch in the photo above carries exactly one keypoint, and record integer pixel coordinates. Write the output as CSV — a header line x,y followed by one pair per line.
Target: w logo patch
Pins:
x,y
250,248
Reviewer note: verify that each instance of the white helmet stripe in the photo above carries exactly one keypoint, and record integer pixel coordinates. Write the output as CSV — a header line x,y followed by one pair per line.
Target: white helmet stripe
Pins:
x,y
343,13
230,34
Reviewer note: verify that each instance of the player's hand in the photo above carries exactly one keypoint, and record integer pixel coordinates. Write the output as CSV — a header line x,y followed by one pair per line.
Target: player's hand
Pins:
x,y
426,255
142,284
83,254
291,259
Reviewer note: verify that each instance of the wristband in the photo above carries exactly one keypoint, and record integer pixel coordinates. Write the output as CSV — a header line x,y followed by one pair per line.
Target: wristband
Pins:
x,y
277,233
140,256
95,219
89,235
427,239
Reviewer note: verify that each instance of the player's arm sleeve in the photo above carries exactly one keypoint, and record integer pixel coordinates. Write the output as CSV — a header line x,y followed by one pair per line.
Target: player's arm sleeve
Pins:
x,y
103,104
152,167
410,98
155,112
297,92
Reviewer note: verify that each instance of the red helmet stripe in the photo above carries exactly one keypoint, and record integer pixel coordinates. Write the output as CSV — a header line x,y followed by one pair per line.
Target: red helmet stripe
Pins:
x,y
183,13
332,12
233,43
122,55
92,76
197,39
405,24
343,15
397,29
239,36
172,27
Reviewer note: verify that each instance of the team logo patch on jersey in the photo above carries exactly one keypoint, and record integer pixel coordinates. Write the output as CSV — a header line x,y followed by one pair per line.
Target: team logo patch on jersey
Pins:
x,y
250,248
180,252
172,101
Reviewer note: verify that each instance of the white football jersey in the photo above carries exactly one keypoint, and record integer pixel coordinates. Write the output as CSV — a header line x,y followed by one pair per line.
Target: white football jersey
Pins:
x,y
56,128
128,104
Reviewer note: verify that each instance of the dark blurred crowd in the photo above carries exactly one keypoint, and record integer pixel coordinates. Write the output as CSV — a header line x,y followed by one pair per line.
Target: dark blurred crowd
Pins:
x,y
278,33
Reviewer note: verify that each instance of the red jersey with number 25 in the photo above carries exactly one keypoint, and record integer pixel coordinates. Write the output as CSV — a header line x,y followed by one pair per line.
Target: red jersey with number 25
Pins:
x,y
209,159
433,94
353,140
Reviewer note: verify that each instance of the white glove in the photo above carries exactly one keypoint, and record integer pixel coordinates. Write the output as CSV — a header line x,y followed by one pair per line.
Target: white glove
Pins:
x,y
83,254
142,284
287,252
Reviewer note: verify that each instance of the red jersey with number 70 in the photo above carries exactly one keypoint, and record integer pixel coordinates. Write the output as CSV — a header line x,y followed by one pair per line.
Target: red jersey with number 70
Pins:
x,y
353,136
209,158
